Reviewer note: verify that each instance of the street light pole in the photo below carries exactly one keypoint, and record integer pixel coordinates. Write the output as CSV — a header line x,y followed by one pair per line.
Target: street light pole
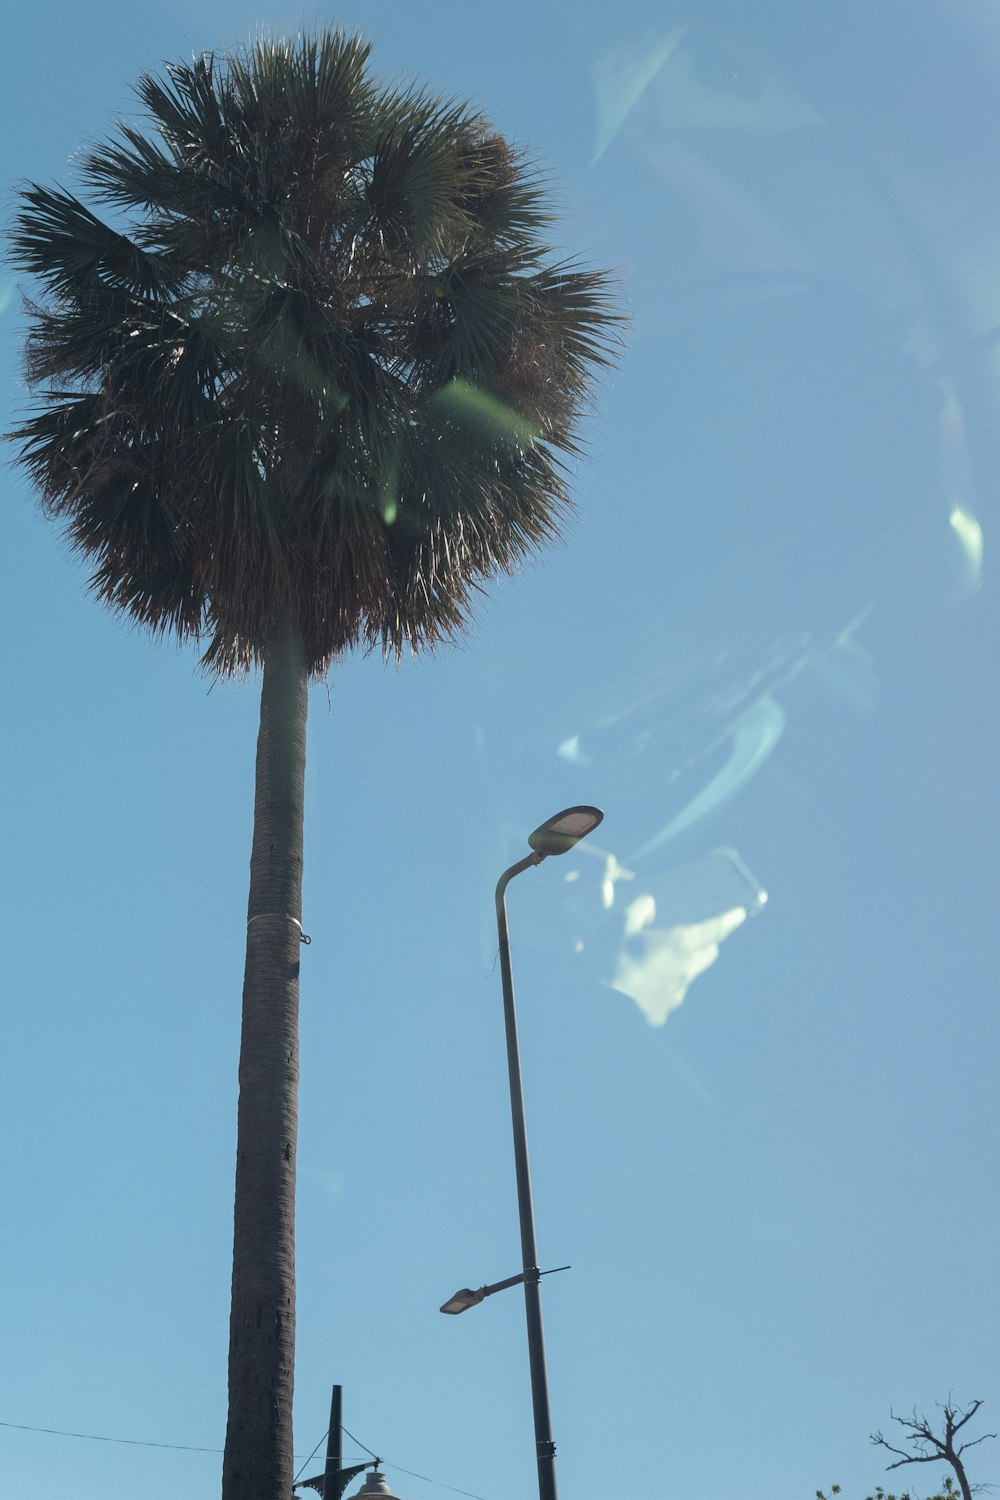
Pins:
x,y
557,835
545,1448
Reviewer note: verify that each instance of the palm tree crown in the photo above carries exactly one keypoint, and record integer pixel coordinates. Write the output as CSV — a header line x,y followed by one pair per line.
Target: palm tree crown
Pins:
x,y
320,372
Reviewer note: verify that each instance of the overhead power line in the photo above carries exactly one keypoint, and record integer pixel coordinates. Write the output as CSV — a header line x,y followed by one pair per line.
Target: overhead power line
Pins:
x,y
98,1437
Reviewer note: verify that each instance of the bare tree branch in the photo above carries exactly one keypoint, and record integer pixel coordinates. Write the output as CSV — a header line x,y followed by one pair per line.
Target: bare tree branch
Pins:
x,y
975,1441
950,1411
912,1458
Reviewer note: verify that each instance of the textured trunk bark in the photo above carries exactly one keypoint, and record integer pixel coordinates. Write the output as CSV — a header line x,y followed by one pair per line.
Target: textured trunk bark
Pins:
x,y
258,1455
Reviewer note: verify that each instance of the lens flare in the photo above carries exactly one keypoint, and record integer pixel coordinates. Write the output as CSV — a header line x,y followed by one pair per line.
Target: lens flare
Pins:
x,y
970,534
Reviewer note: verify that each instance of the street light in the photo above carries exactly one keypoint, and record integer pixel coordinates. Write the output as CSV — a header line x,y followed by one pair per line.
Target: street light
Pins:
x,y
467,1296
557,835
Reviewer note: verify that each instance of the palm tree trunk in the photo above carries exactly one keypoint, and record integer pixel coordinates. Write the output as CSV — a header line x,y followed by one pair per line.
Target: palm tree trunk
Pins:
x,y
258,1455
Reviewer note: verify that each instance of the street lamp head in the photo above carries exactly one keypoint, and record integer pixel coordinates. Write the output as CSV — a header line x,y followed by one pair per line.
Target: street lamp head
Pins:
x,y
558,834
463,1299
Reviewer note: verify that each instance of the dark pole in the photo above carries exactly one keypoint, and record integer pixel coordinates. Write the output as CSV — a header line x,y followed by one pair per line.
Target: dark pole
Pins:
x,y
332,1482
545,1448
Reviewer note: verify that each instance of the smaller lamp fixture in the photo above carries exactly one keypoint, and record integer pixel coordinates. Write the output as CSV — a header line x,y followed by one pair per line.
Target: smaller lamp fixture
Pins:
x,y
557,835
375,1485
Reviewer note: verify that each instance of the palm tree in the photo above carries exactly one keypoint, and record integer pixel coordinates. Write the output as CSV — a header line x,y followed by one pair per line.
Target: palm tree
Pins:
x,y
308,383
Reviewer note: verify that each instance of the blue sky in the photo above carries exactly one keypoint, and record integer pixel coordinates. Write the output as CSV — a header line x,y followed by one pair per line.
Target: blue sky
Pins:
x,y
758,1012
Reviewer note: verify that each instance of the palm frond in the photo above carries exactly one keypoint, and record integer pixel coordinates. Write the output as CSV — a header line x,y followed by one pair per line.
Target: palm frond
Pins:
x,y
414,190
69,249
134,172
187,109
